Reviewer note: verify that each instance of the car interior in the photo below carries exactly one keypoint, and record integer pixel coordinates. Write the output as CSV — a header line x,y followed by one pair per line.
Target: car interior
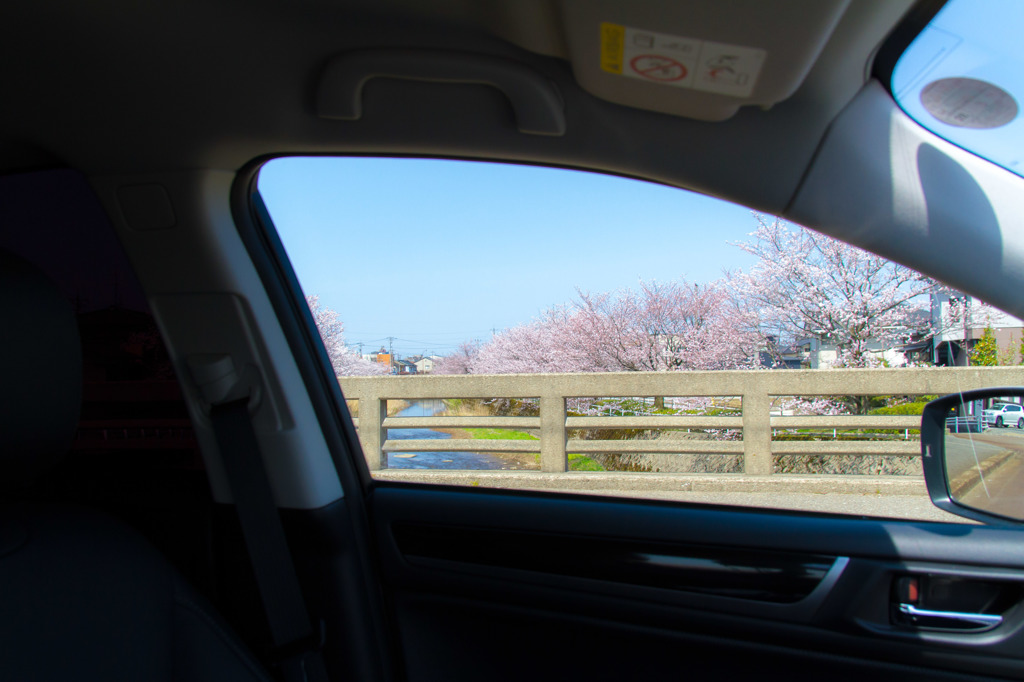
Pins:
x,y
184,493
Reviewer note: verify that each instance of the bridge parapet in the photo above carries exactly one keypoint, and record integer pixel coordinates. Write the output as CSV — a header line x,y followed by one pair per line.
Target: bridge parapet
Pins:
x,y
756,390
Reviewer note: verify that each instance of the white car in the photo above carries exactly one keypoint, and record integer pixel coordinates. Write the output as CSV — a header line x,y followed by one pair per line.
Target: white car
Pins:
x,y
1004,414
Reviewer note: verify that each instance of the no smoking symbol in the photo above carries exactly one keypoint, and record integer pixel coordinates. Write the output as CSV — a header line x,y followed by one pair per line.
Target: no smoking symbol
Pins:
x,y
658,68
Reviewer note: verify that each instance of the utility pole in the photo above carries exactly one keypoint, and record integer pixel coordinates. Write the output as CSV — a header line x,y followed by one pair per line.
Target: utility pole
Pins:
x,y
967,320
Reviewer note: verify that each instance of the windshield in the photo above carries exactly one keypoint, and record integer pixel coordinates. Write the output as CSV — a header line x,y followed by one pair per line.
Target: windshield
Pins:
x,y
962,79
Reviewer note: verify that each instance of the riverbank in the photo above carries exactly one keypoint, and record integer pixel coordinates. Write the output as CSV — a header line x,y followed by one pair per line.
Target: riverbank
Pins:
x,y
431,458
662,460
474,408
527,461
394,407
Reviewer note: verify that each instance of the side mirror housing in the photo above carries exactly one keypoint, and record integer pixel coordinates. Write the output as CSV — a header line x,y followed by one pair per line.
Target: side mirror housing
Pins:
x,y
972,467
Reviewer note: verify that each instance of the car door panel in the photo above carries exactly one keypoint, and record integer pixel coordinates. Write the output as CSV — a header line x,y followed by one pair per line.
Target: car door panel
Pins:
x,y
513,585
526,584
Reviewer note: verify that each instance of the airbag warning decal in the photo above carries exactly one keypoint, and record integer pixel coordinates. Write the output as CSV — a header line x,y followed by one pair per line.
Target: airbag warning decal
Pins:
x,y
680,62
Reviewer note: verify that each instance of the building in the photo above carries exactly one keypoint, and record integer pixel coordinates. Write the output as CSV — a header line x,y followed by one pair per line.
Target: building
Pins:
x,y
961,320
815,353
424,363
403,367
775,356
952,318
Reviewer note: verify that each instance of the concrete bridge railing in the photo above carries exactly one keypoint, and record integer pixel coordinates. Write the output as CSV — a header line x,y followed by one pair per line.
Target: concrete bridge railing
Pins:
x,y
757,389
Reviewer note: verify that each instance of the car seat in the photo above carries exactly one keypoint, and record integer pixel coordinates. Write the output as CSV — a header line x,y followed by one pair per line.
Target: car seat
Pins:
x,y
84,595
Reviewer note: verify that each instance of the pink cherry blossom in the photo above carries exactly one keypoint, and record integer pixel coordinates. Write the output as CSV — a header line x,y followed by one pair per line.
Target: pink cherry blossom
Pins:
x,y
809,285
656,327
344,361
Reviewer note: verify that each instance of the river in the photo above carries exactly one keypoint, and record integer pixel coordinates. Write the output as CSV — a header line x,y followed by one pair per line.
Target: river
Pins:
x,y
435,460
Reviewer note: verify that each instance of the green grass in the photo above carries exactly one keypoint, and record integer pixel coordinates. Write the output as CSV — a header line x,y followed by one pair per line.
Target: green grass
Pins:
x,y
453,404
576,462
582,463
499,434
906,409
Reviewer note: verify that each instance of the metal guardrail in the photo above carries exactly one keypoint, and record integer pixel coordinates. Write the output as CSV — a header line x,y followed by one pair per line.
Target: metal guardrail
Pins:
x,y
757,390
975,424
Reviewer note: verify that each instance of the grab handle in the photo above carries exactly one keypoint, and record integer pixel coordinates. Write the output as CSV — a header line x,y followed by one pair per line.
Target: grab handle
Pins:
x,y
535,100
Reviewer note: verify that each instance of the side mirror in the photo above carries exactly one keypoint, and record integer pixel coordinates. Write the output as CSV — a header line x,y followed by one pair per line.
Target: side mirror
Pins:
x,y
974,457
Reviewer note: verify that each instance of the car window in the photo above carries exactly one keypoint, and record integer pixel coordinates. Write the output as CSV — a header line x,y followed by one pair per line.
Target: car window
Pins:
x,y
530,327
962,79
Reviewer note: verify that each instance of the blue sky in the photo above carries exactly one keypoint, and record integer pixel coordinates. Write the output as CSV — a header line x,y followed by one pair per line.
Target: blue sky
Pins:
x,y
436,252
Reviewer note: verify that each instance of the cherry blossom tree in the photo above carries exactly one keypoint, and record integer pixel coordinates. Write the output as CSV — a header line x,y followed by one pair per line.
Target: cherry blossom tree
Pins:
x,y
559,341
459,362
809,285
659,326
332,332
671,326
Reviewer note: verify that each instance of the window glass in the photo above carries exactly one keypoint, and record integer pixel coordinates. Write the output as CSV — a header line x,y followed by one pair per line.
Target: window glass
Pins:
x,y
649,341
962,78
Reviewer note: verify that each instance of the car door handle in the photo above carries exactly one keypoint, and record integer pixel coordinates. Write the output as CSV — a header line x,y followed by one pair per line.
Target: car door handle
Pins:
x,y
956,619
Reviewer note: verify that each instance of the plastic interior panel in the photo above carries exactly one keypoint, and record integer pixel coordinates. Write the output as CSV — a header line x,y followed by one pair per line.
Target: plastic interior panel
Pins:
x,y
785,585
853,611
188,261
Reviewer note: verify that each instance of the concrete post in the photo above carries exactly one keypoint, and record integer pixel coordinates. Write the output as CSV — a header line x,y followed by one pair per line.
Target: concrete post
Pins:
x,y
552,434
757,434
372,411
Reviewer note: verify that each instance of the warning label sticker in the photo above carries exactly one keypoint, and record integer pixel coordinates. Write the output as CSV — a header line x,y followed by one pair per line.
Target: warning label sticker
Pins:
x,y
680,62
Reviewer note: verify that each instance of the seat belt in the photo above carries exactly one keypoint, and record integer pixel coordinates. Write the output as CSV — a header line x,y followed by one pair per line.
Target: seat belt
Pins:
x,y
296,644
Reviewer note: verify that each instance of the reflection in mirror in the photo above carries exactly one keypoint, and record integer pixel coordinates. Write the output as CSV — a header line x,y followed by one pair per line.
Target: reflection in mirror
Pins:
x,y
984,463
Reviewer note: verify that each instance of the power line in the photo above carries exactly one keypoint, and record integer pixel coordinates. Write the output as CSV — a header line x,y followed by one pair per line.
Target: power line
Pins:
x,y
417,342
424,343
381,336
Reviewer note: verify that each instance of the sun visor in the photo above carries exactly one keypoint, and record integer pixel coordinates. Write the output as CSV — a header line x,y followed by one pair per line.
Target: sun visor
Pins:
x,y
691,58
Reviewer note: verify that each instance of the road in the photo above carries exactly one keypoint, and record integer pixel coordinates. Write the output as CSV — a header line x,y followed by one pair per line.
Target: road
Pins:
x,y
987,470
967,450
